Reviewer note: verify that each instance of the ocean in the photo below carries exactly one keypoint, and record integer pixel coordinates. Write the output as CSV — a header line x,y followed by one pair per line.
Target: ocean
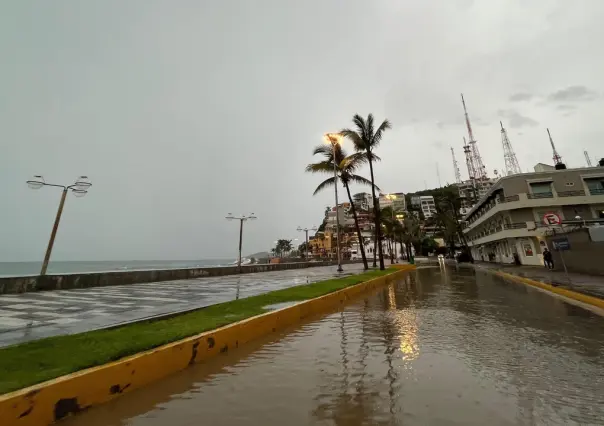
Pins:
x,y
12,269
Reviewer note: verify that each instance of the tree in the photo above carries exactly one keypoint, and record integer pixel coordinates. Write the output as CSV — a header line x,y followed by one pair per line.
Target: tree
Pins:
x,y
283,246
365,140
345,166
302,250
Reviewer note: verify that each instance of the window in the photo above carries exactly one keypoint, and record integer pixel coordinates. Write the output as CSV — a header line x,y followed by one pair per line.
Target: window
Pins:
x,y
595,186
541,188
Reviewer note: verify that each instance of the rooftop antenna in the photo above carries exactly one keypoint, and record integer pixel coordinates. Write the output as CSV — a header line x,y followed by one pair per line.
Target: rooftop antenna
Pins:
x,y
438,174
470,163
456,167
480,171
587,159
511,162
558,164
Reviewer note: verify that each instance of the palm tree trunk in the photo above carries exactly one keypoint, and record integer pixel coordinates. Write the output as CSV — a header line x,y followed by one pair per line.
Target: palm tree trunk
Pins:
x,y
374,247
356,224
376,212
401,245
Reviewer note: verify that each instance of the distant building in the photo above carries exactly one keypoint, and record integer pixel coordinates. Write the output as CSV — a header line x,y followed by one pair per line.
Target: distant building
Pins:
x,y
398,203
469,193
509,218
426,203
362,200
541,167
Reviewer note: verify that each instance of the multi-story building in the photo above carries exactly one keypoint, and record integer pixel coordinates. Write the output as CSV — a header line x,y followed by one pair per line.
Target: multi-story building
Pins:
x,y
427,205
363,201
396,201
509,218
469,192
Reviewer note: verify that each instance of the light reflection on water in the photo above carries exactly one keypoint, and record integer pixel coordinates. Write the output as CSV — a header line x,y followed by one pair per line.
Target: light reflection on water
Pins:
x,y
439,347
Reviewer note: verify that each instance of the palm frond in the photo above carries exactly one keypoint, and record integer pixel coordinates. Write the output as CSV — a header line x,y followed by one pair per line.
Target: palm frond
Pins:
x,y
355,138
323,149
369,127
359,122
362,181
324,184
320,167
377,136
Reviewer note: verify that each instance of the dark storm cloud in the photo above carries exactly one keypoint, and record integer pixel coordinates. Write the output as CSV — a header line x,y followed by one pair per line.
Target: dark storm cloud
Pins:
x,y
573,94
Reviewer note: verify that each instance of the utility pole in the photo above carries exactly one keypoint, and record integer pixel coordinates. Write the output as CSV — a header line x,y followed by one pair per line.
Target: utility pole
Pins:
x,y
314,228
241,219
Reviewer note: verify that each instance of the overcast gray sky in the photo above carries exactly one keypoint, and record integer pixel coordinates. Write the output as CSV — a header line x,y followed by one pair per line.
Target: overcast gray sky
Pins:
x,y
183,111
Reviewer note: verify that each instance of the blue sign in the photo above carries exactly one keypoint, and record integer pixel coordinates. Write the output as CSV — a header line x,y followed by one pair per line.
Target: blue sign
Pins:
x,y
561,244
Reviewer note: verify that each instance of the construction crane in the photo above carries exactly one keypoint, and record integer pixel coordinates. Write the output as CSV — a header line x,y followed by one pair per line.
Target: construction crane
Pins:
x,y
587,159
511,162
558,164
480,171
456,167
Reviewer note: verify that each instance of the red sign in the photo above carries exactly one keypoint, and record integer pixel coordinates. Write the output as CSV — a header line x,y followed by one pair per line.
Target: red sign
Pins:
x,y
551,219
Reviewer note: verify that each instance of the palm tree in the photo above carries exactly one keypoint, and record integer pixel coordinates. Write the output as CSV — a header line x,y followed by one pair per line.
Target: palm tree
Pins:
x,y
345,166
365,140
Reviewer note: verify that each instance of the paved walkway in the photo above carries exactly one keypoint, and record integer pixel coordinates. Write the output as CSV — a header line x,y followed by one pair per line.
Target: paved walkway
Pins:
x,y
587,284
32,316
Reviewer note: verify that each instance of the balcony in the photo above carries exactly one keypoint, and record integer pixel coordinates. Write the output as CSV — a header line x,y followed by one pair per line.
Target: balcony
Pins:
x,y
520,225
596,191
540,195
580,193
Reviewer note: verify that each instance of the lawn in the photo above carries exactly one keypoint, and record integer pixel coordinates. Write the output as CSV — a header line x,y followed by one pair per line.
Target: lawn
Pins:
x,y
37,361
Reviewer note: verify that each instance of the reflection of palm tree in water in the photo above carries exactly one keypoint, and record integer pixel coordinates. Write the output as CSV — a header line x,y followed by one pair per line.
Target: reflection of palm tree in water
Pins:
x,y
360,407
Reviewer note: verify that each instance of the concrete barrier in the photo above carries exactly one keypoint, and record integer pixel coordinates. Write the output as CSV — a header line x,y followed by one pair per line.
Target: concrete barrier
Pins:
x,y
13,285
48,402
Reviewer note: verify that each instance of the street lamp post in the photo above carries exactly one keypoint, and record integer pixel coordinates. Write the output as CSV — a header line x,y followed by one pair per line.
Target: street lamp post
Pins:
x,y
241,219
335,139
314,228
79,189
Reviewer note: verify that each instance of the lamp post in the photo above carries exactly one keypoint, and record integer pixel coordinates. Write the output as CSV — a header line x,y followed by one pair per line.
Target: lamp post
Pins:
x,y
335,139
79,189
314,228
241,219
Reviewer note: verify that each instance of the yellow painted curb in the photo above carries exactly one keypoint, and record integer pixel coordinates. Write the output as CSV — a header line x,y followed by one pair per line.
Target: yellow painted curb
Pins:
x,y
47,402
590,300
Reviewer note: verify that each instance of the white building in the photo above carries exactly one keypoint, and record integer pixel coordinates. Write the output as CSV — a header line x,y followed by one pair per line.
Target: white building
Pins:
x,y
427,205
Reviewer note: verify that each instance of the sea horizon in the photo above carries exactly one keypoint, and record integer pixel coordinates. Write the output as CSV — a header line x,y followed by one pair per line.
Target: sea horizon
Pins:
x,y
27,268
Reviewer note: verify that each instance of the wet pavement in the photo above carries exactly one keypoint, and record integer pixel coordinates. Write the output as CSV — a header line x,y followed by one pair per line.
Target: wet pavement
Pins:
x,y
31,316
440,347
591,285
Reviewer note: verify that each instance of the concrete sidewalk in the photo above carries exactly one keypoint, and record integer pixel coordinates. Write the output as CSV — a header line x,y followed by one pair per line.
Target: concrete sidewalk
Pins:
x,y
591,285
31,316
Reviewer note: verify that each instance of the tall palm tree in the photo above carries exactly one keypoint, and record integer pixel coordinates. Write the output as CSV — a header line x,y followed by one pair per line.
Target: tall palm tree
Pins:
x,y
365,140
345,165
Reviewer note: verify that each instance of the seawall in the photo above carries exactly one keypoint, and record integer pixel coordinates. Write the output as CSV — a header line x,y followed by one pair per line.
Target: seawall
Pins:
x,y
13,285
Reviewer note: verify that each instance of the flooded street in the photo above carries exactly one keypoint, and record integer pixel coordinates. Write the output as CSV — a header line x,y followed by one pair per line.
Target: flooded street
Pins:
x,y
440,347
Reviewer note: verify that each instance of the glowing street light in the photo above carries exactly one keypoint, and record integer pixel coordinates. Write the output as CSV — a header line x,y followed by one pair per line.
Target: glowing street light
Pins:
x,y
335,139
79,189
241,219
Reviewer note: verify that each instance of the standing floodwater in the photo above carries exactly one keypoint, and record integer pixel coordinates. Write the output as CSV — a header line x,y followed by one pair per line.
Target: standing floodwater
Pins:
x,y
440,347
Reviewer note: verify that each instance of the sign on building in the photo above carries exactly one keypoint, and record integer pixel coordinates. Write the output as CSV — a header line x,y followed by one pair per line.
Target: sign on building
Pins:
x,y
561,244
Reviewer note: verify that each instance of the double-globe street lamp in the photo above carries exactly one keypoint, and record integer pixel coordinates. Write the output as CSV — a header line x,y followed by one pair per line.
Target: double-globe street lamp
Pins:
x,y
241,219
79,189
300,229
335,139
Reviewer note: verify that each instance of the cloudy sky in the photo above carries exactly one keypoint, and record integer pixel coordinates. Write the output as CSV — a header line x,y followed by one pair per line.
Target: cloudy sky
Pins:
x,y
183,111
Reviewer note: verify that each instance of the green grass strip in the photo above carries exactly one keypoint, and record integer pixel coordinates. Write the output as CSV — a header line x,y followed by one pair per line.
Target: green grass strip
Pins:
x,y
37,361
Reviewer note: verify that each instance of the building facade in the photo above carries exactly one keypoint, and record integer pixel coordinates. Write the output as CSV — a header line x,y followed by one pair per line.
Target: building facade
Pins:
x,y
427,205
509,219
